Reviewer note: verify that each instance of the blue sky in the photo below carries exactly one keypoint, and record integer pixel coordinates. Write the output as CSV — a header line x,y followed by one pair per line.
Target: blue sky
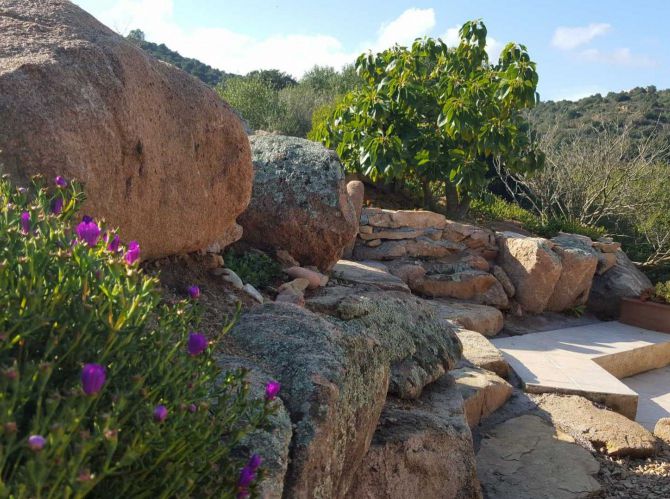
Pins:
x,y
581,47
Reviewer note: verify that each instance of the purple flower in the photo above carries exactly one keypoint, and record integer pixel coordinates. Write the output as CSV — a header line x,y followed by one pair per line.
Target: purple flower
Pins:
x,y
194,292
133,253
36,442
113,245
88,231
57,206
25,222
247,475
255,462
272,389
192,408
60,181
93,376
197,343
160,413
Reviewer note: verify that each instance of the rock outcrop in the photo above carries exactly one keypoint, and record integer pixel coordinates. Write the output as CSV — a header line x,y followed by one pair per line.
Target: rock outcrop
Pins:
x,y
623,280
525,458
480,318
483,392
578,265
420,449
607,431
272,443
533,268
299,202
160,155
334,385
417,343
480,352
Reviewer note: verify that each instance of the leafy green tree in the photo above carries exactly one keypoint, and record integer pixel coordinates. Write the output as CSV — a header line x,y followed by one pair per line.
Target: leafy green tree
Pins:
x,y
136,34
255,100
438,115
276,79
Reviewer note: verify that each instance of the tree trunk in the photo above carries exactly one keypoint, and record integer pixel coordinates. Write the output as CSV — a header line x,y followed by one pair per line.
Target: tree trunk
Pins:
x,y
428,200
457,206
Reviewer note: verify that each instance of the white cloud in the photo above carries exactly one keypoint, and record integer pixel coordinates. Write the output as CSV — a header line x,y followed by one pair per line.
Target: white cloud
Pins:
x,y
568,38
239,53
619,57
411,24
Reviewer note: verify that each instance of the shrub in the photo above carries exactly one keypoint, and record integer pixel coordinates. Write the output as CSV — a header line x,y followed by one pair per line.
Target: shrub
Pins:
x,y
104,389
659,293
253,267
490,207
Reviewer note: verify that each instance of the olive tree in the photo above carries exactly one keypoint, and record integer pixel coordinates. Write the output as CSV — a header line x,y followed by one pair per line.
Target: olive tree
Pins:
x,y
437,115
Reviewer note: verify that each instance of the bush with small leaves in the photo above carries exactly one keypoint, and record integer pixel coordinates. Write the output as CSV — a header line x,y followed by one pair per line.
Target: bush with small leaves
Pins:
x,y
105,389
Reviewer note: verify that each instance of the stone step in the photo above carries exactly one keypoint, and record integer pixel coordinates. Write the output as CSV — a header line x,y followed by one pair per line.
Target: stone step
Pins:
x,y
586,361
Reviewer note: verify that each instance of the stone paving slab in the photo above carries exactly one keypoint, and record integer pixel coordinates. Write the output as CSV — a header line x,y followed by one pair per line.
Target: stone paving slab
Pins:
x,y
586,361
653,388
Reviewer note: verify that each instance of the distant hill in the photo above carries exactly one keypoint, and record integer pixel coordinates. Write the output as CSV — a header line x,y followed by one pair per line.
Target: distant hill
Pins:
x,y
204,72
647,109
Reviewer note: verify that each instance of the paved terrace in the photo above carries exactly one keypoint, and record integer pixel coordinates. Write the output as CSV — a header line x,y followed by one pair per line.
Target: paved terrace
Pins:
x,y
590,360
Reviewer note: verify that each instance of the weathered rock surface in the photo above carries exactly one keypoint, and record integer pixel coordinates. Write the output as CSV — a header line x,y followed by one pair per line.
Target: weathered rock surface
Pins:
x,y
273,443
356,192
621,281
299,201
480,318
662,429
524,458
472,285
423,448
368,275
578,265
480,352
421,247
533,268
504,280
158,152
605,262
418,344
333,385
483,392
607,431
392,219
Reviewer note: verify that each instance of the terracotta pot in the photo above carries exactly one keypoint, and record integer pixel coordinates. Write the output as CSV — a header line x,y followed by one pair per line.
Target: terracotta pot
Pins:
x,y
645,314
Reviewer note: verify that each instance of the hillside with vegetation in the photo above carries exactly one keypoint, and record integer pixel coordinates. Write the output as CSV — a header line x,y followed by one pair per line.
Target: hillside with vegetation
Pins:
x,y
647,109
200,70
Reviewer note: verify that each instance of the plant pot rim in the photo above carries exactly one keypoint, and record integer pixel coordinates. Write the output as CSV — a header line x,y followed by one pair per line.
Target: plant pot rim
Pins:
x,y
646,302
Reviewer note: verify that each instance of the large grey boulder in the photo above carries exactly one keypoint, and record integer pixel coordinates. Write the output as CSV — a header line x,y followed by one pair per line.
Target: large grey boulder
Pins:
x,y
418,344
420,449
271,443
334,385
160,155
299,201
624,280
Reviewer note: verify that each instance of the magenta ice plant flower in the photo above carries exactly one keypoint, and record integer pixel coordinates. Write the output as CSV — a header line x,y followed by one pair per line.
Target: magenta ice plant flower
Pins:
x,y
160,413
93,377
25,222
255,462
114,244
132,253
192,408
36,442
272,389
60,181
197,343
88,231
194,292
57,206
